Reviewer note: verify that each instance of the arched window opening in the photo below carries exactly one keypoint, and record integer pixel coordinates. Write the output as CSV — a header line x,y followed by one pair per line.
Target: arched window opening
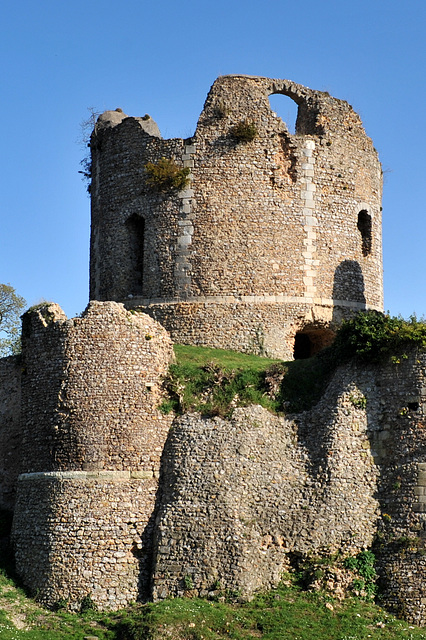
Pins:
x,y
364,227
309,342
286,109
136,227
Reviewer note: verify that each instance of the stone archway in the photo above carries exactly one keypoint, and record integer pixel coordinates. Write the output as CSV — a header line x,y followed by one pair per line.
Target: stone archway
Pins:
x,y
311,340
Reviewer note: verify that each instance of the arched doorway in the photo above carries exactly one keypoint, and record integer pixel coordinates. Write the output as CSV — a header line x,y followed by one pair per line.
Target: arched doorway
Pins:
x,y
310,340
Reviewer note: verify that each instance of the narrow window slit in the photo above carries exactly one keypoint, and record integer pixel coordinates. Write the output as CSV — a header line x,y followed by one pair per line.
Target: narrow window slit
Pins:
x,y
136,228
364,227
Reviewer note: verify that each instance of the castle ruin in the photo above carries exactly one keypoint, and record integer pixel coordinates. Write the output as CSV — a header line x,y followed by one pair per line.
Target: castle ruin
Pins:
x,y
272,242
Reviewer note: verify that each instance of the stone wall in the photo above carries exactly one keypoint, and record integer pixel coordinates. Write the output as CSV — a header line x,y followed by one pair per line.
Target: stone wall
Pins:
x,y
282,221
92,441
262,326
85,533
10,428
241,498
91,388
114,504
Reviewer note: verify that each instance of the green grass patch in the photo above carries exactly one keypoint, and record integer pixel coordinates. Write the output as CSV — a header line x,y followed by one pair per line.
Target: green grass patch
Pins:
x,y
215,381
285,613
200,356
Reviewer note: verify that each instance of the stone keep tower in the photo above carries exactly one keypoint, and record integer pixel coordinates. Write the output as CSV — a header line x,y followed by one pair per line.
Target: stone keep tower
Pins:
x,y
273,241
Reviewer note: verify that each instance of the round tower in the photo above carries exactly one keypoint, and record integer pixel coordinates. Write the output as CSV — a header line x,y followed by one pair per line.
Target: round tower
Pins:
x,y
92,438
245,236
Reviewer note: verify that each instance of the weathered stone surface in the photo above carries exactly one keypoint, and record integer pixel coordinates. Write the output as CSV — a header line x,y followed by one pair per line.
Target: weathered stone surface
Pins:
x,y
121,507
92,441
271,238
91,389
285,231
240,497
10,429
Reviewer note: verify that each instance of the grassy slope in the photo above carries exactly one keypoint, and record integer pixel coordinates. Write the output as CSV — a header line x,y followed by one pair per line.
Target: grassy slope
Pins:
x,y
213,381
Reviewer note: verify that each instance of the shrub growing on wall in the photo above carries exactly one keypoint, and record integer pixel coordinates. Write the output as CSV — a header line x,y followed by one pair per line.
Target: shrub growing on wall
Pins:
x,y
372,335
165,174
244,131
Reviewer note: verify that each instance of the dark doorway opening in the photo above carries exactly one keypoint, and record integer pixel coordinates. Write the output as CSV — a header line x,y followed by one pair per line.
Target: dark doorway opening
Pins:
x,y
136,227
302,346
310,341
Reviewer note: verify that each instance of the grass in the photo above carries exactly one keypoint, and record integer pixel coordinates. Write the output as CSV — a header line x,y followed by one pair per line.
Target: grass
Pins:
x,y
285,613
215,381
200,356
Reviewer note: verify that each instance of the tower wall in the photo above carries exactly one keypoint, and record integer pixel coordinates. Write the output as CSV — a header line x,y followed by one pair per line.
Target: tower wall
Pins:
x,y
271,236
92,441
10,428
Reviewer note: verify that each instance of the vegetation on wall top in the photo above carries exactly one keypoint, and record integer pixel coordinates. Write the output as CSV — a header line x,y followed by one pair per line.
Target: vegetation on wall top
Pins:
x,y
372,336
215,381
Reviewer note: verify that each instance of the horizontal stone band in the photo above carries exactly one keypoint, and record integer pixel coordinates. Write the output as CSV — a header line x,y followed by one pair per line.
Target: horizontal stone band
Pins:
x,y
114,476
262,299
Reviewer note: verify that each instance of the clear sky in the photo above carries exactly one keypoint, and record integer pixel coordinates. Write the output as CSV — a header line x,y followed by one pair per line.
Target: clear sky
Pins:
x,y
60,58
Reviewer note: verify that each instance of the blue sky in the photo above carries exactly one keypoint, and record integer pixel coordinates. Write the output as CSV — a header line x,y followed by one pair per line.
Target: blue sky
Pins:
x,y
61,58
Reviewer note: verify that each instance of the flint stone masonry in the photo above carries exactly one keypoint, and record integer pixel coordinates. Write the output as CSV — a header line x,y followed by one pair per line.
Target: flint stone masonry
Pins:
x,y
91,389
230,502
85,533
10,428
242,498
262,225
92,442
270,238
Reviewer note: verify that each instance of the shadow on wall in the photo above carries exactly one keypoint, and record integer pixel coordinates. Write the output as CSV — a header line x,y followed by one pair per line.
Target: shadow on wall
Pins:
x,y
349,283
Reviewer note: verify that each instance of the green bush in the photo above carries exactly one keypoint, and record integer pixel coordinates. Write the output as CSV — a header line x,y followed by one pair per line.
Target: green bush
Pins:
x,y
244,131
372,336
363,564
165,175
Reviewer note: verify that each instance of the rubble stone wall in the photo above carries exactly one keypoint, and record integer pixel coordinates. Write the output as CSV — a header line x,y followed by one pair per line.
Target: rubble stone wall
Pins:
x,y
10,429
91,389
85,533
288,219
241,497
92,441
119,502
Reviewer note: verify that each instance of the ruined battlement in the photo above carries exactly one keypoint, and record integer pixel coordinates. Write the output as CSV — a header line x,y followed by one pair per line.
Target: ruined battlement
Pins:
x,y
273,237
